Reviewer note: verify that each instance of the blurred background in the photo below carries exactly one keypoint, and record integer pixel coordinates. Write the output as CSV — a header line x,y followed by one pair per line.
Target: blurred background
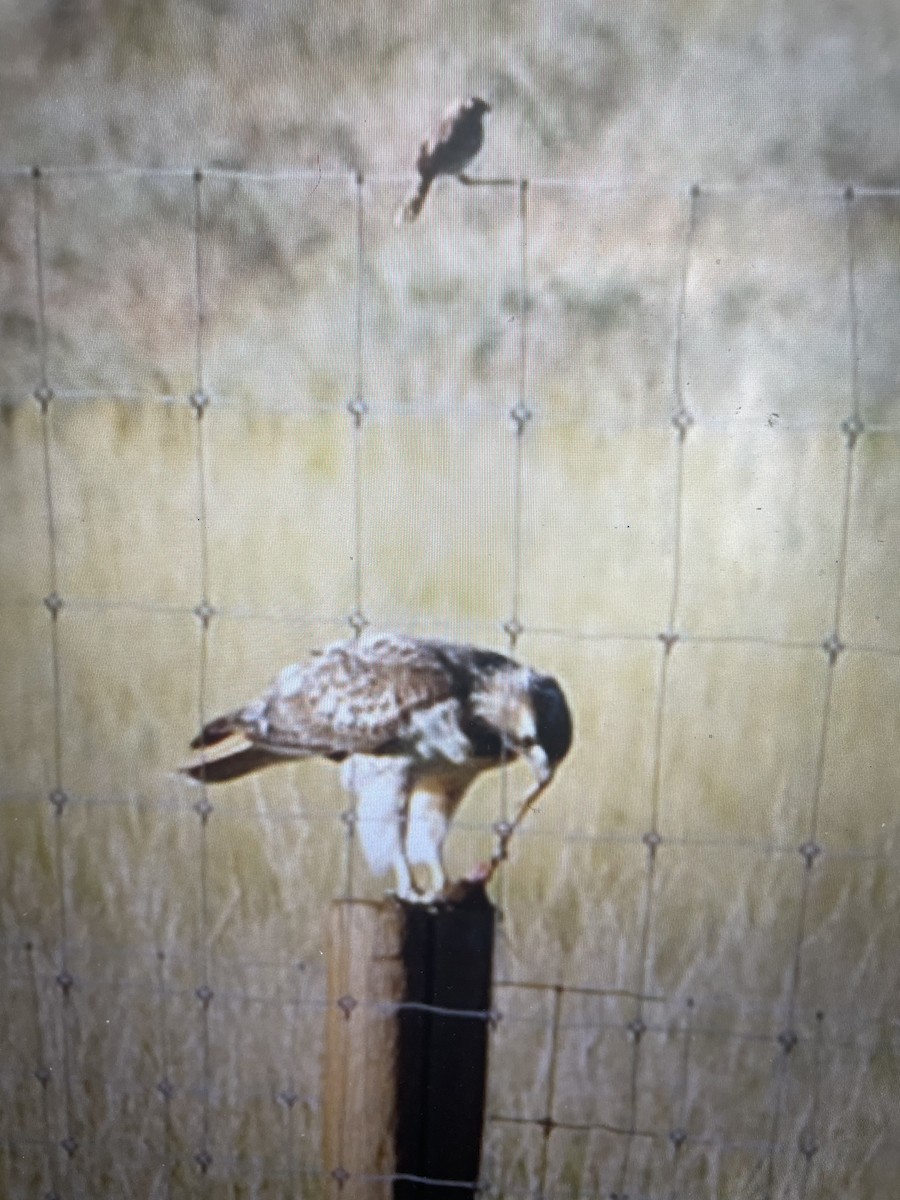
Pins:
x,y
639,419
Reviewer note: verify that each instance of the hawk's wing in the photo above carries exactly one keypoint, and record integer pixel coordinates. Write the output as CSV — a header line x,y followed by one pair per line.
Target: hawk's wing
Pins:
x,y
352,698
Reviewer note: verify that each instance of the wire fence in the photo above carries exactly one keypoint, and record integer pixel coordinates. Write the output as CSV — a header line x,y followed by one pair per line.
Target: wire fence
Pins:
x,y
781,1159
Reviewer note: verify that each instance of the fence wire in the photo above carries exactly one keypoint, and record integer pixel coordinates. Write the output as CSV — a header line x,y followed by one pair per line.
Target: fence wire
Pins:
x,y
687,1019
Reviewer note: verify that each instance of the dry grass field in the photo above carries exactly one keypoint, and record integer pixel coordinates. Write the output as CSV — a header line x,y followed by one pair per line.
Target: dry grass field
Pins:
x,y
698,965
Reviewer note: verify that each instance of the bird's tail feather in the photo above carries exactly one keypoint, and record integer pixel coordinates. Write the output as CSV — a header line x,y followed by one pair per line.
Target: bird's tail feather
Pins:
x,y
231,766
215,731
415,201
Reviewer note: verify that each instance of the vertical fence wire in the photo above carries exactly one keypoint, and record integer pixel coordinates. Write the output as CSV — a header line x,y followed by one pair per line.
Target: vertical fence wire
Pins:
x,y
357,409
54,604
42,1072
833,647
678,1132
358,406
520,415
288,1098
808,1138
204,612
681,422
548,1123
164,1087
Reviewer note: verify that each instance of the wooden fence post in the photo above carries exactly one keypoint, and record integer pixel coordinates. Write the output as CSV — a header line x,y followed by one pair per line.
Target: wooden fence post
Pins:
x,y
409,989
365,968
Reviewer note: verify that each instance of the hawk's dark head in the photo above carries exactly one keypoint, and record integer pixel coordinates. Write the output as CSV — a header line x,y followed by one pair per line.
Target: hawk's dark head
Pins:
x,y
527,711
553,720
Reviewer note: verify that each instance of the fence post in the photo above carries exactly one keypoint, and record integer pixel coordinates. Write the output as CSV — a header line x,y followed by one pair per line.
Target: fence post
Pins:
x,y
365,969
442,1057
405,1090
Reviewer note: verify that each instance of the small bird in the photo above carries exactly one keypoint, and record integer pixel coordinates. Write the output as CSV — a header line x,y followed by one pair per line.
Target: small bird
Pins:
x,y
414,722
459,137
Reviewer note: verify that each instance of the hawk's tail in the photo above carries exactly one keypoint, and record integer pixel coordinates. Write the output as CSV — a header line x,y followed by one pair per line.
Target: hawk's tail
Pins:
x,y
231,766
415,201
216,731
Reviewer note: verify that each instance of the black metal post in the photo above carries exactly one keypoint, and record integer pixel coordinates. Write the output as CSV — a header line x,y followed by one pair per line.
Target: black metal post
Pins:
x,y
442,1056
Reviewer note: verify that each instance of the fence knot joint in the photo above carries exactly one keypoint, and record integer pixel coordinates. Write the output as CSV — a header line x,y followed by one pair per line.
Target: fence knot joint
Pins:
x,y
668,638
358,410
652,840
347,1004
199,401
852,427
59,799
204,808
682,419
514,629
808,1146
203,1159
357,621
44,397
833,647
810,851
520,414
204,612
53,604
787,1040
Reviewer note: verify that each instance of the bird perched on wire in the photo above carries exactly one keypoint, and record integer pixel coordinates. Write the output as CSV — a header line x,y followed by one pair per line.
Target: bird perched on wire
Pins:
x,y
414,722
459,137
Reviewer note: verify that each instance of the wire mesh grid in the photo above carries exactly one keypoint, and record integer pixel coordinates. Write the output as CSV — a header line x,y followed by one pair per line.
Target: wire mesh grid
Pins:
x,y
644,1151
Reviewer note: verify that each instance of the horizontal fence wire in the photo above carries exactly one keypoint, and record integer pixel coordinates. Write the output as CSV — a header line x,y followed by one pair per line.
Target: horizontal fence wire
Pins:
x,y
382,409
245,1167
593,184
337,624
66,968
576,836
848,1031
380,412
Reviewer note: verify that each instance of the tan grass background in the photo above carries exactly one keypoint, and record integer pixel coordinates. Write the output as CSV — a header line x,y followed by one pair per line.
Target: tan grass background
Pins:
x,y
763,745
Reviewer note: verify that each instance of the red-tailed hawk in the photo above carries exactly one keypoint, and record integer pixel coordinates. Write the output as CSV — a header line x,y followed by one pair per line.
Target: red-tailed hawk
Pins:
x,y
414,722
459,137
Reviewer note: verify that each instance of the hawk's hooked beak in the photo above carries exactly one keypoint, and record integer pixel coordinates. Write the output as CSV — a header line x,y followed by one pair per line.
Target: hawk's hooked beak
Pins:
x,y
540,764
